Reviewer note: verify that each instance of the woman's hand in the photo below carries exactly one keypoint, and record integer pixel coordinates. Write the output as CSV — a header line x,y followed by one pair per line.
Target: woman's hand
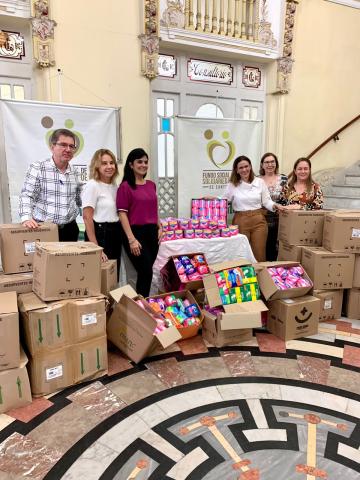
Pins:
x,y
135,247
278,207
104,257
293,206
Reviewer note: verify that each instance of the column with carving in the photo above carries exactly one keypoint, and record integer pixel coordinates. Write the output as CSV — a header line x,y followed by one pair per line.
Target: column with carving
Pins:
x,y
236,33
222,18
207,17
191,15
198,16
214,17
251,20
229,19
42,33
150,39
243,19
285,62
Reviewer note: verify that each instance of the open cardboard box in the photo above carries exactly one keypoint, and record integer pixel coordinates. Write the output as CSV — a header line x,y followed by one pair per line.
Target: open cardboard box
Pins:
x,y
268,288
192,330
170,277
131,328
213,333
236,315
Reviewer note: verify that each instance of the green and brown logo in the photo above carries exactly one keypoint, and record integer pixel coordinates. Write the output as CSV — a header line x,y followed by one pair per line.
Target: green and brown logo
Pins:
x,y
48,123
227,146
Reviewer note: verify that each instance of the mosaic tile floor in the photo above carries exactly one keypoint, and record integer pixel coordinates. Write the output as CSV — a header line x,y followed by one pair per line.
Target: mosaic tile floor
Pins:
x,y
264,409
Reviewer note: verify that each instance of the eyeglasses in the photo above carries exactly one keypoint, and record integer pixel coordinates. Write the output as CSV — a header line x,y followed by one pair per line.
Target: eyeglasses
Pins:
x,y
71,146
269,162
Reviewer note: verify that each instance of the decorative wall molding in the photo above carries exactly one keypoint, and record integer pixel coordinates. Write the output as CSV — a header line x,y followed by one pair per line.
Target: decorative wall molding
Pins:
x,y
12,45
150,39
174,14
251,77
266,35
43,34
285,63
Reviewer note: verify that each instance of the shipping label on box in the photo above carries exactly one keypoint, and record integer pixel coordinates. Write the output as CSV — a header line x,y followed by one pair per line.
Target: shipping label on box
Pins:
x,y
109,279
48,326
291,253
331,304
17,282
342,232
15,386
131,327
67,270
328,270
352,303
9,331
292,318
299,227
17,245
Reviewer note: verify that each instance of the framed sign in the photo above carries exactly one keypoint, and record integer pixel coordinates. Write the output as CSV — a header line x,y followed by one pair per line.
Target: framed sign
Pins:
x,y
12,45
251,77
210,72
166,66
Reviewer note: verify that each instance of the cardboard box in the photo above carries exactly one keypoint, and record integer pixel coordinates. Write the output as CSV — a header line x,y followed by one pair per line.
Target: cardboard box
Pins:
x,y
236,316
9,331
17,282
52,325
131,328
352,303
328,270
213,333
342,232
66,366
268,287
291,318
170,277
67,270
356,278
331,303
192,330
288,252
300,227
109,279
15,386
17,245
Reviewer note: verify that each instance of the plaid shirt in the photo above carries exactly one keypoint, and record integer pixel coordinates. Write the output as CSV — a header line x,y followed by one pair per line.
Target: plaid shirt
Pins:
x,y
49,195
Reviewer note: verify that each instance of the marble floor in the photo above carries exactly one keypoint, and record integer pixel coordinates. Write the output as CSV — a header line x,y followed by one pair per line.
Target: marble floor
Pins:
x,y
264,409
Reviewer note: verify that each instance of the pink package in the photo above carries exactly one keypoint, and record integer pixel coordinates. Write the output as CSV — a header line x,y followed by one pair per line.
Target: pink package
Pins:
x,y
189,233
169,235
207,233
195,202
216,233
198,233
221,223
204,223
234,230
173,223
225,232
178,234
303,282
183,223
194,223
222,212
164,225
223,203
213,224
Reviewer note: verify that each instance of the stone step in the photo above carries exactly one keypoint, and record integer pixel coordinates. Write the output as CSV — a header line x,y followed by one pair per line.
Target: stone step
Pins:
x,y
341,201
343,190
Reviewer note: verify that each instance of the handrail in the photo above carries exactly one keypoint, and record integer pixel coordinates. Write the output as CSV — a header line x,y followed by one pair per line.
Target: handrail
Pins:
x,y
333,136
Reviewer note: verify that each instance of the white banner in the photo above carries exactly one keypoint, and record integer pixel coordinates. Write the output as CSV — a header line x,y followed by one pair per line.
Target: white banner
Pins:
x,y
28,126
206,152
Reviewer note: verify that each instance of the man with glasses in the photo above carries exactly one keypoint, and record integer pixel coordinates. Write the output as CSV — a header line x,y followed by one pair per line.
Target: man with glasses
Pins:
x,y
51,190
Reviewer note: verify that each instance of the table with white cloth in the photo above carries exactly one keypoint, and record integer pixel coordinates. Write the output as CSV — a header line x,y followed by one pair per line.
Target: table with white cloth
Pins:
x,y
216,250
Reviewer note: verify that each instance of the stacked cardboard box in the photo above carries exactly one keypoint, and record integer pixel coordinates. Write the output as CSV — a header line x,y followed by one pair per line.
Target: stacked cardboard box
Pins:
x,y
14,380
64,321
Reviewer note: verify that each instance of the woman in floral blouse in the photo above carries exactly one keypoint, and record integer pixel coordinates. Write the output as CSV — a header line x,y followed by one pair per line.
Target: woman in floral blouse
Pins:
x,y
269,172
301,192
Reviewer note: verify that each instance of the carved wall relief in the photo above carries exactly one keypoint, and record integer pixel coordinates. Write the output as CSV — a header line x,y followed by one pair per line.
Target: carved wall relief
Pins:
x,y
43,34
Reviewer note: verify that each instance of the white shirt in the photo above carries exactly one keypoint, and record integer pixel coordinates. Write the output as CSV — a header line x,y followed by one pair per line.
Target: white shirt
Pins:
x,y
102,198
249,196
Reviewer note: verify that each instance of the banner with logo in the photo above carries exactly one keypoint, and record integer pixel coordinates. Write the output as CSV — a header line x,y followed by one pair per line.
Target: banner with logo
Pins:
x,y
206,151
27,128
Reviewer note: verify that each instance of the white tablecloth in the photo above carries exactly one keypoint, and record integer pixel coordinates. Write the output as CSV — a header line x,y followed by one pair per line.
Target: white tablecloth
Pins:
x,y
215,249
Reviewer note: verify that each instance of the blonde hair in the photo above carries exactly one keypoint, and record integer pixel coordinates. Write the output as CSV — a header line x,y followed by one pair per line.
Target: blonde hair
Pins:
x,y
96,162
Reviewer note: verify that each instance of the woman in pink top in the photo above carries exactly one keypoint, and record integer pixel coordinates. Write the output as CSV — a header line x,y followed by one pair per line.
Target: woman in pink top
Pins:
x,y
137,205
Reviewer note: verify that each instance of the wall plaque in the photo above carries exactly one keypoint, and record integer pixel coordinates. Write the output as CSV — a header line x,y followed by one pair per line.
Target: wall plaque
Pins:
x,y
202,71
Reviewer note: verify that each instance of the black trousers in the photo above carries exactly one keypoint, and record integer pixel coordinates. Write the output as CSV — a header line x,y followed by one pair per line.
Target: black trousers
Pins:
x,y
68,232
108,235
147,235
272,244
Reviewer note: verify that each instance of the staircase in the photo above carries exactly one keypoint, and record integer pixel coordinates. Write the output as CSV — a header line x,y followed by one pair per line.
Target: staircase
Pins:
x,y
341,186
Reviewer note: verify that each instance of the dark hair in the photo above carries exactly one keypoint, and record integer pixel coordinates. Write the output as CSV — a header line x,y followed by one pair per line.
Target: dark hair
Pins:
x,y
268,154
54,137
292,177
235,178
129,176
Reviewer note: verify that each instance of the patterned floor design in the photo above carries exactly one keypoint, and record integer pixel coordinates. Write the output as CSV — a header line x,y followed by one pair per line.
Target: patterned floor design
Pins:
x,y
264,409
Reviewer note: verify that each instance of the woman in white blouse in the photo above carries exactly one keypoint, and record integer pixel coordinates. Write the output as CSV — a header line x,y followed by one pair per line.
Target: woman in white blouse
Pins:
x,y
102,225
249,195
